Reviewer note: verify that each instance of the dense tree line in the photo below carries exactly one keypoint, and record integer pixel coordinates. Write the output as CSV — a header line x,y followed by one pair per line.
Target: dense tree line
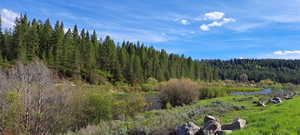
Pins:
x,y
82,55
283,71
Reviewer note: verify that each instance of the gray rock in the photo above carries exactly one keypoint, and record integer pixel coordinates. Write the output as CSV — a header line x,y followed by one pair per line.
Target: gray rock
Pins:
x,y
276,100
208,118
187,129
224,132
238,124
288,97
211,125
260,103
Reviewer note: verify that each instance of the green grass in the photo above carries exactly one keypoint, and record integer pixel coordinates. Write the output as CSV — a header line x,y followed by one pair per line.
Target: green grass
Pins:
x,y
281,119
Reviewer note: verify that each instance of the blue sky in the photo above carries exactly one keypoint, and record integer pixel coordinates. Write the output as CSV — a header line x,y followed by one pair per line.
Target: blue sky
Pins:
x,y
202,29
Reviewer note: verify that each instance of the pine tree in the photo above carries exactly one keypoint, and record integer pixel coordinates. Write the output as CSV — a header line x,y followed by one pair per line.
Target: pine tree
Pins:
x,y
19,46
32,40
56,45
45,32
76,53
67,54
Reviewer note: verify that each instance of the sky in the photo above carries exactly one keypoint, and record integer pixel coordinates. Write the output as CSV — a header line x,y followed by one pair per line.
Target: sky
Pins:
x,y
201,29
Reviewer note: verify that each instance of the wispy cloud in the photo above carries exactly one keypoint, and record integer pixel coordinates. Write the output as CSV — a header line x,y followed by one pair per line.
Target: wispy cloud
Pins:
x,y
280,54
286,52
244,27
8,18
139,35
286,18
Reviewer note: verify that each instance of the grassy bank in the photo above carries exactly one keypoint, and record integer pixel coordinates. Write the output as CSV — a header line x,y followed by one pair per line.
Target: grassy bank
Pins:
x,y
282,119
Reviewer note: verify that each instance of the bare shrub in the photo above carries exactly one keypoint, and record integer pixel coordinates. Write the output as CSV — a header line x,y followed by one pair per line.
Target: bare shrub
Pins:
x,y
42,109
3,81
178,92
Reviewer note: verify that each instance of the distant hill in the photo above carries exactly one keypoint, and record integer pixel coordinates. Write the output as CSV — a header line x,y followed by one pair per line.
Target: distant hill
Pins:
x,y
279,70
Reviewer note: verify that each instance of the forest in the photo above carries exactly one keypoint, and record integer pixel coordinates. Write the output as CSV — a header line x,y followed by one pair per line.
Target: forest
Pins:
x,y
81,55
278,70
77,54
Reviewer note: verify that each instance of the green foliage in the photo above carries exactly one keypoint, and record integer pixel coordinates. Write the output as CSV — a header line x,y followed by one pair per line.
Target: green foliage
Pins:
x,y
128,106
269,84
212,92
99,107
11,114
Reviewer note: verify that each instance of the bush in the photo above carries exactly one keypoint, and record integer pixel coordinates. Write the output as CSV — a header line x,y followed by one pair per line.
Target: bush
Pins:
x,y
147,87
30,103
128,107
178,92
212,92
99,107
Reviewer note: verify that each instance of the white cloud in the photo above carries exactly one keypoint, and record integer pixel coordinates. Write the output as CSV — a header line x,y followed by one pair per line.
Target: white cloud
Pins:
x,y
206,27
184,22
286,52
213,16
8,18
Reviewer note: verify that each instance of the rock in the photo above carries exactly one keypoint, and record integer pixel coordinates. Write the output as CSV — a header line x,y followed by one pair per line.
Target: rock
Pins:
x,y
223,132
211,125
187,129
276,100
260,103
209,118
288,97
238,124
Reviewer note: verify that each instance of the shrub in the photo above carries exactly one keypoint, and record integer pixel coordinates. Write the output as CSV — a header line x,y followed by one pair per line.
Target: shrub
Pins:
x,y
32,103
178,92
99,107
212,92
129,106
147,87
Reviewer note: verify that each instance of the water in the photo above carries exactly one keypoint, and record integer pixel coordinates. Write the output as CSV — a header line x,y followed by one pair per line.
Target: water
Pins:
x,y
262,92
153,101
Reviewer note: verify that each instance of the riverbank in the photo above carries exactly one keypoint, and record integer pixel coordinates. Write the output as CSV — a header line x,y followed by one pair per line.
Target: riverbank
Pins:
x,y
272,119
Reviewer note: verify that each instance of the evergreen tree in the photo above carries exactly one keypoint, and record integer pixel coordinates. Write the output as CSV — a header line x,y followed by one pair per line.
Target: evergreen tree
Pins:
x,y
56,50
32,40
20,32
45,32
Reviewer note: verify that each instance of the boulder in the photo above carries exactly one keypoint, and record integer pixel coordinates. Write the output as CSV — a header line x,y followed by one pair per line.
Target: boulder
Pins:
x,y
223,132
260,103
276,100
287,97
238,124
208,118
211,128
211,125
187,129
